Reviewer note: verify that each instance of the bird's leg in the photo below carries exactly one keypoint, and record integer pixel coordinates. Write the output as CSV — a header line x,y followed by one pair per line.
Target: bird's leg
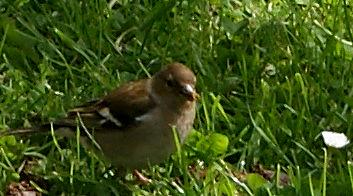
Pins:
x,y
141,178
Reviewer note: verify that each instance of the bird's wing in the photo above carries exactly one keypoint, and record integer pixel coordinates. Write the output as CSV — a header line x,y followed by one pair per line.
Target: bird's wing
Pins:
x,y
119,109
116,111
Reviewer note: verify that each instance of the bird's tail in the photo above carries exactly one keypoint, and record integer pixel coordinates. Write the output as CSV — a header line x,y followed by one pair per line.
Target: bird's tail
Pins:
x,y
65,131
25,131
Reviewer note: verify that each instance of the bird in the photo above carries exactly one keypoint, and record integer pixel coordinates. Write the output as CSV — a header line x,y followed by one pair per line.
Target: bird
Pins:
x,y
133,125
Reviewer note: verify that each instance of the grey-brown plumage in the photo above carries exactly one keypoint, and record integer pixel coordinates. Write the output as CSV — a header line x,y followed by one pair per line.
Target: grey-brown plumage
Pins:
x,y
132,125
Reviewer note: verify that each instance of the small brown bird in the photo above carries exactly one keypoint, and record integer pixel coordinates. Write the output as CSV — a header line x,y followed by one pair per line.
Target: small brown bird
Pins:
x,y
132,125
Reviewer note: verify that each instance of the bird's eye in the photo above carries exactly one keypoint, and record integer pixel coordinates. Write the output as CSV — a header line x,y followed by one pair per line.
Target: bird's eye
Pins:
x,y
170,83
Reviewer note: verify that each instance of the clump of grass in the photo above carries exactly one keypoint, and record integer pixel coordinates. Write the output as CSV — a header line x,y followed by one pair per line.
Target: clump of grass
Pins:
x,y
273,75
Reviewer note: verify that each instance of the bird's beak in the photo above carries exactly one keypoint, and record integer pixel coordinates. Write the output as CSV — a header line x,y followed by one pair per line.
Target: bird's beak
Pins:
x,y
189,92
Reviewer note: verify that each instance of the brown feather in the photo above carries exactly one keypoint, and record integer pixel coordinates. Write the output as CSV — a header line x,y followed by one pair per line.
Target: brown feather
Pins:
x,y
130,101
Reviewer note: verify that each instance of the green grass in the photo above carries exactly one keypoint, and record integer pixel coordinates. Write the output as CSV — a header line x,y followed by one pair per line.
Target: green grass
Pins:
x,y
272,76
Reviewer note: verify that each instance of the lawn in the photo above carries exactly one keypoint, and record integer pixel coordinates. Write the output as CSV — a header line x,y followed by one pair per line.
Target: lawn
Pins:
x,y
272,75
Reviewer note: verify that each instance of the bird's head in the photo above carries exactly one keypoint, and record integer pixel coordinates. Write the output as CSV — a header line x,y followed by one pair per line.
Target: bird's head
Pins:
x,y
175,83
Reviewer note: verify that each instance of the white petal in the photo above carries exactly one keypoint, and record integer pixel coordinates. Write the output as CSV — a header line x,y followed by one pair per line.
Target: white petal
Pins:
x,y
333,139
242,163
